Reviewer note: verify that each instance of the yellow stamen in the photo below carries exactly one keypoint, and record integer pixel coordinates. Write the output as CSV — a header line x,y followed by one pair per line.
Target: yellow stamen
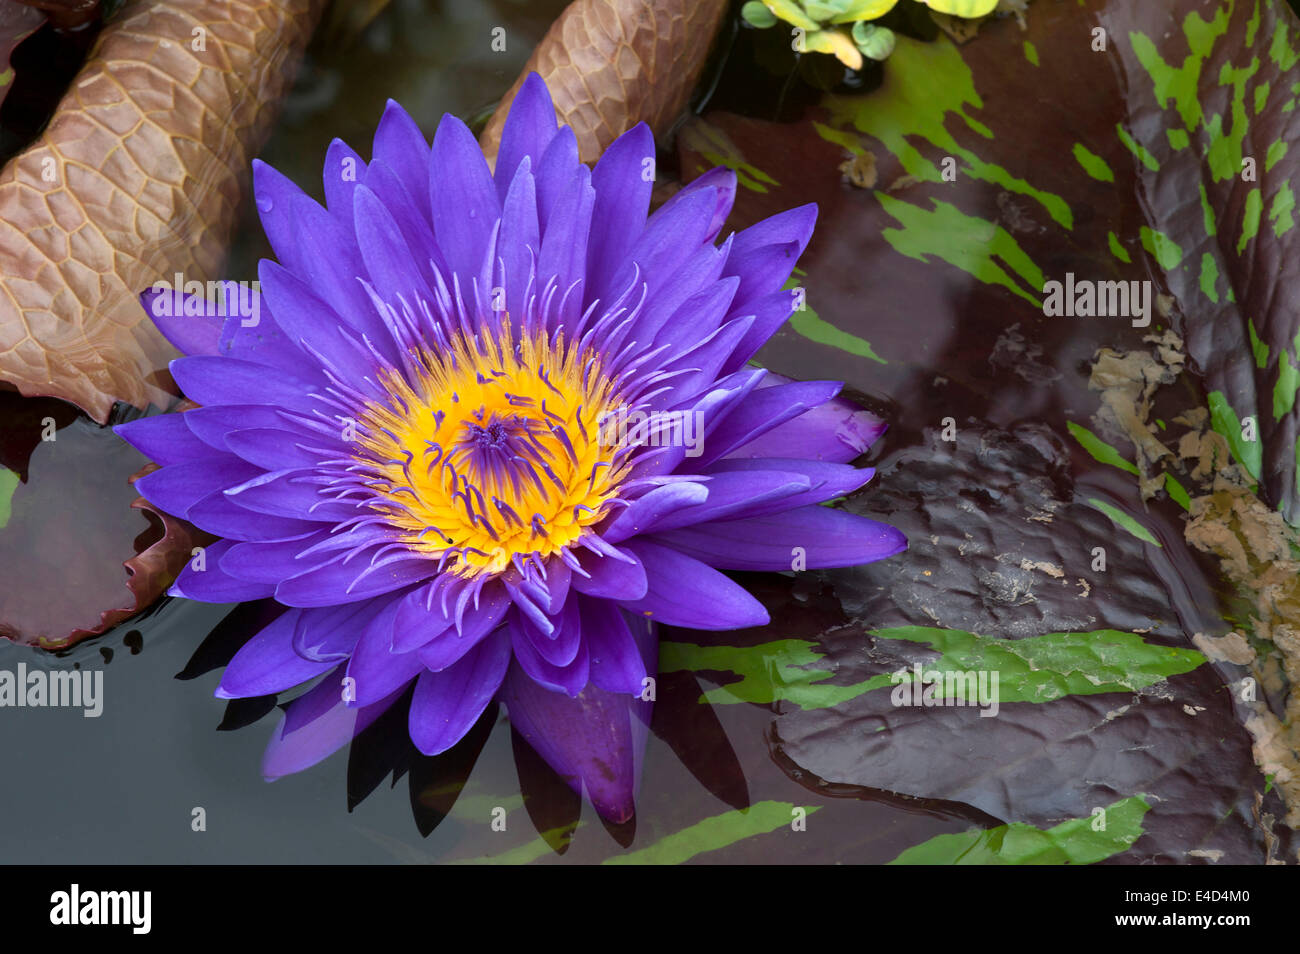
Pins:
x,y
479,427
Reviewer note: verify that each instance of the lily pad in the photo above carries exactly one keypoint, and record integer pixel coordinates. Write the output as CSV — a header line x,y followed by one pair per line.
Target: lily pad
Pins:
x,y
81,551
1077,841
17,22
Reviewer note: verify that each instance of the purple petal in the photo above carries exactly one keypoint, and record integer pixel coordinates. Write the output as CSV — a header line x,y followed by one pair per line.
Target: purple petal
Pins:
x,y
528,130
595,741
212,424
791,227
190,334
164,439
685,592
291,493
414,226
555,173
322,724
558,580
568,678
420,616
761,412
276,196
764,255
770,313
267,663
704,361
697,275
730,495
826,481
837,431
330,633
342,580
390,263
651,508
564,244
214,584
274,449
262,341
216,514
622,200
177,488
762,271
211,380
375,670
616,663
611,579
271,562
559,647
344,168
307,320
465,203
810,537
519,238
703,312
712,409
330,263
451,645
448,703
722,183
401,146
524,594
671,237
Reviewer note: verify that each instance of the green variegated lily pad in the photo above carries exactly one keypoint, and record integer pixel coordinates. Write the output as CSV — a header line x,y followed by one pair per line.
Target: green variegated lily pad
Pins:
x,y
1079,841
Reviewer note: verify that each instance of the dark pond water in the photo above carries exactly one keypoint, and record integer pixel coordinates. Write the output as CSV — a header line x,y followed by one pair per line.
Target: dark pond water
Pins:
x,y
122,788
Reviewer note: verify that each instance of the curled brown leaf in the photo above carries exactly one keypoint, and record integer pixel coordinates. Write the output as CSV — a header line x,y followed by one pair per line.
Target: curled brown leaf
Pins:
x,y
610,64
137,177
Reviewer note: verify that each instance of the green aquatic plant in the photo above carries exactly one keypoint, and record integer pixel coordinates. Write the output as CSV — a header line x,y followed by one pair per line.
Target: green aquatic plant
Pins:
x,y
842,28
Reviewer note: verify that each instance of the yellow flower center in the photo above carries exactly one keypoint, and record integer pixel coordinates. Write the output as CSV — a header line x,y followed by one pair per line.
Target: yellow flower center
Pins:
x,y
493,450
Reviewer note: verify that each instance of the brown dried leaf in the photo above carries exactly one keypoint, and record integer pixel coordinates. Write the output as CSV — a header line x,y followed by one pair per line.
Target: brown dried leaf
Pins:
x,y
1253,542
137,177
613,63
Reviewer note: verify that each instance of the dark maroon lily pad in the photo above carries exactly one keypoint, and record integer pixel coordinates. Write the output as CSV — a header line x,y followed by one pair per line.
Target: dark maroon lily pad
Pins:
x,y
80,550
17,22
1178,739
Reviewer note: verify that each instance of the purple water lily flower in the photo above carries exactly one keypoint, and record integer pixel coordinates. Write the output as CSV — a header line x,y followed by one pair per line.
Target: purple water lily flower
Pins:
x,y
482,433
